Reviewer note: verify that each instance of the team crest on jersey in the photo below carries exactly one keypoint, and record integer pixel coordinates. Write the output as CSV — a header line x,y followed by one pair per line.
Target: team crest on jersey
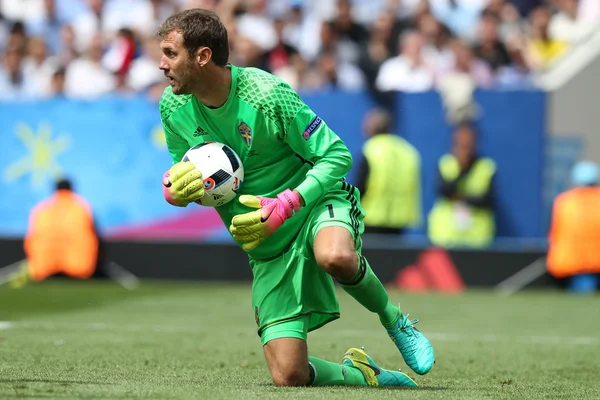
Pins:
x,y
246,133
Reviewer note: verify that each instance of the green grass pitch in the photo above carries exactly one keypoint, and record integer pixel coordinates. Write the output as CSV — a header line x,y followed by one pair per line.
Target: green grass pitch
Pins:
x,y
94,340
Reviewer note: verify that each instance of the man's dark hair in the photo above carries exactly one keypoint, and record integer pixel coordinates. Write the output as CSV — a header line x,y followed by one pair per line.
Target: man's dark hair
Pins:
x,y
64,184
199,28
466,124
60,72
487,14
384,121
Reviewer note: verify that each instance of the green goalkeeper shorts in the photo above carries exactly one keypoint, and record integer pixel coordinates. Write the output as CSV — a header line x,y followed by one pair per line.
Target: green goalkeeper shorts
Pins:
x,y
291,294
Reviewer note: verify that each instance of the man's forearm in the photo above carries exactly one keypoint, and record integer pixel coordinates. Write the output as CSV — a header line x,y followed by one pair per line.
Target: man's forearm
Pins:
x,y
326,172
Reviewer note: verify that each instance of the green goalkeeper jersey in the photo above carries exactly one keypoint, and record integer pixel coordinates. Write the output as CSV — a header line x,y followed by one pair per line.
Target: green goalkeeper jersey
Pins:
x,y
282,143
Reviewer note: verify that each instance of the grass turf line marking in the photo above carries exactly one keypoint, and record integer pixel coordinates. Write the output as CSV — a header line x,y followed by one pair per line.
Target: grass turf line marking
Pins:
x,y
455,337
4,325
435,336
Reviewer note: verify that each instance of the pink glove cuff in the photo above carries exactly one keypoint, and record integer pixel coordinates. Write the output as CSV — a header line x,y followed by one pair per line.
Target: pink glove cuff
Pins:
x,y
291,202
166,192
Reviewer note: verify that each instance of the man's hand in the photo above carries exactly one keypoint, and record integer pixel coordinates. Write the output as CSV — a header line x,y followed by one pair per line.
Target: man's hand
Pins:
x,y
254,227
182,184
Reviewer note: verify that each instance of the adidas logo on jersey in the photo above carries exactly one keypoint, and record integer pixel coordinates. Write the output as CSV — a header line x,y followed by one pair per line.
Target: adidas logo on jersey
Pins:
x,y
199,132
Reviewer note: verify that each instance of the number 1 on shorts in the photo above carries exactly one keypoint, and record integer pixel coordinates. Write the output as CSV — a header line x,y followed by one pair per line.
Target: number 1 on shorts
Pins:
x,y
330,208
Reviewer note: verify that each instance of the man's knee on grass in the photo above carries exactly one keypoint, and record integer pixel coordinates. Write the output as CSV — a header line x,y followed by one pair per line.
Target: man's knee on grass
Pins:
x,y
335,252
294,375
287,359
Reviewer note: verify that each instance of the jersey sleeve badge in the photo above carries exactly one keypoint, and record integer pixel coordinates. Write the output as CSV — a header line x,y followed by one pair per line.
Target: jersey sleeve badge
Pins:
x,y
312,127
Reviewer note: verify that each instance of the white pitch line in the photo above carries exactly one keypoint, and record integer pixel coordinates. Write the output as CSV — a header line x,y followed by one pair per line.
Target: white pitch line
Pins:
x,y
352,333
455,337
524,277
553,340
4,325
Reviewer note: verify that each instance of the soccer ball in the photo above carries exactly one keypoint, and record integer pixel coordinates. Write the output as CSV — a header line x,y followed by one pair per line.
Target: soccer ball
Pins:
x,y
222,172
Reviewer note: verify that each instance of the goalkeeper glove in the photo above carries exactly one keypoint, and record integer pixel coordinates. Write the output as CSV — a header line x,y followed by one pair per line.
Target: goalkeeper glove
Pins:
x,y
252,228
183,184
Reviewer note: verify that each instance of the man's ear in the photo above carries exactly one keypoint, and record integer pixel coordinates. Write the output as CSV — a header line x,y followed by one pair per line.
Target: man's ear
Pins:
x,y
203,56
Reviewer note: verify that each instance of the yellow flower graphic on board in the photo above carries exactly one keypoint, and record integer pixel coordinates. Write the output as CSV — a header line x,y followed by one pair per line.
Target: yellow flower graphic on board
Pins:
x,y
157,136
40,161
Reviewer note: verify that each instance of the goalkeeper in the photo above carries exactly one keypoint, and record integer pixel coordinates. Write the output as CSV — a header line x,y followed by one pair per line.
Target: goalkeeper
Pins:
x,y
297,218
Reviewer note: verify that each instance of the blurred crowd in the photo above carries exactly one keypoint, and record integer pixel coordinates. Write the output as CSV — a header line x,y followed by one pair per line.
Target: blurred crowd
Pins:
x,y
89,48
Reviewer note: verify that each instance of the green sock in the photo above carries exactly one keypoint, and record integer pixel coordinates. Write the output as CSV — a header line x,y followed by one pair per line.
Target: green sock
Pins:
x,y
327,373
367,289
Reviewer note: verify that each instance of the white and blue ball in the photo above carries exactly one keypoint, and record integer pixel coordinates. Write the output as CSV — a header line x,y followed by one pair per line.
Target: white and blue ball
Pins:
x,y
222,172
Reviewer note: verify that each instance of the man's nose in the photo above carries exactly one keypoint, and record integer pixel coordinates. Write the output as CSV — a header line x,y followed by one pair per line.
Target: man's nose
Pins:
x,y
163,65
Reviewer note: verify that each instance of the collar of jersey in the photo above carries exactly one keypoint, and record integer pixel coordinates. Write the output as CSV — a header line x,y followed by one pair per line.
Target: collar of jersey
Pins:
x,y
223,109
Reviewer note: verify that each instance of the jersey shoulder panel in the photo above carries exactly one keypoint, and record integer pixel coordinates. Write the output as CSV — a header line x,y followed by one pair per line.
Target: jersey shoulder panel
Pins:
x,y
269,95
170,102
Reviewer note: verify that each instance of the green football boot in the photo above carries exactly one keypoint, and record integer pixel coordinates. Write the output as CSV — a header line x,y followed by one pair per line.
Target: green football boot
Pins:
x,y
373,373
416,350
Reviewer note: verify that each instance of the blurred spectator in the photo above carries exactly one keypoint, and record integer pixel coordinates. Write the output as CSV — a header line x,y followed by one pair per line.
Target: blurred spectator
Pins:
x,y
489,48
507,15
349,33
437,54
4,28
67,51
330,42
256,25
206,4
145,15
463,214
565,25
422,8
589,11
109,17
312,44
300,29
573,252
144,72
120,54
38,66
246,52
517,74
526,6
78,83
43,18
14,85
17,36
61,238
377,49
26,11
406,72
389,178
468,66
543,50
88,24
339,75
409,8
300,75
279,56
346,25
459,15
457,84
57,84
